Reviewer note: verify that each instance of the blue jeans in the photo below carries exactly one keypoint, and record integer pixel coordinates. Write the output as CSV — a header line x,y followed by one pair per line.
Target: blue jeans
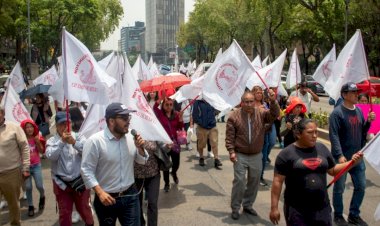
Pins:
x,y
36,173
126,209
359,181
269,142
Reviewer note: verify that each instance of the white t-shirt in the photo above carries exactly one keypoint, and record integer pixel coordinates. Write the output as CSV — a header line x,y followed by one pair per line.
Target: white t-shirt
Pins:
x,y
306,99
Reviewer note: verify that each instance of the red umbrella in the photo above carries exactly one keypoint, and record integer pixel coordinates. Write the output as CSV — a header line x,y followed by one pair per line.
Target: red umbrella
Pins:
x,y
163,83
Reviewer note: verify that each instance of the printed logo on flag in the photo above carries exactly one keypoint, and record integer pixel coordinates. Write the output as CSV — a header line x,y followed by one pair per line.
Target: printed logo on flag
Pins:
x,y
48,79
101,124
15,81
226,76
18,113
143,106
86,69
326,69
269,72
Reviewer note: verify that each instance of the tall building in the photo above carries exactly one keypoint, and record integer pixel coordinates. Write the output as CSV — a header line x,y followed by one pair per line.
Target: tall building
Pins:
x,y
130,40
163,18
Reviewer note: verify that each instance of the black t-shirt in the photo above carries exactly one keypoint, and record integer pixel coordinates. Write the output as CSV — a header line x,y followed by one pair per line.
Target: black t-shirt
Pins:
x,y
305,170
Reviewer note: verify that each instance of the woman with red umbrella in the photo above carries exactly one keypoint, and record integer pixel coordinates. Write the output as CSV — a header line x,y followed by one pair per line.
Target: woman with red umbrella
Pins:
x,y
172,122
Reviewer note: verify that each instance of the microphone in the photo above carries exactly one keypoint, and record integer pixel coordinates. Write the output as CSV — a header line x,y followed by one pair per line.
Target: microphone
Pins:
x,y
134,133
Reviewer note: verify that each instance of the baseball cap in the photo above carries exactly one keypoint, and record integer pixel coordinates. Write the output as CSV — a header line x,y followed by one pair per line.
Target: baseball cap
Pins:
x,y
349,87
117,109
60,117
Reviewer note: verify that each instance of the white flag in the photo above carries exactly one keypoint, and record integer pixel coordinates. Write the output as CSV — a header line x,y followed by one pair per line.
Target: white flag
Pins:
x,y
271,74
227,78
115,69
182,68
103,63
140,70
264,63
294,73
47,78
189,91
95,120
16,79
144,121
83,78
151,62
324,69
372,152
256,63
220,51
15,110
198,72
189,68
351,66
154,72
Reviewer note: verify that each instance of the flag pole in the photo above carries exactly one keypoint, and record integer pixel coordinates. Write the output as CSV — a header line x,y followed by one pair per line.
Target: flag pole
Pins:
x,y
370,95
346,168
191,103
65,77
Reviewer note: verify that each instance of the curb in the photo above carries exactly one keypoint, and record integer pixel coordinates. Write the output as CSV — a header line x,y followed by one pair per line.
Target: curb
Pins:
x,y
323,135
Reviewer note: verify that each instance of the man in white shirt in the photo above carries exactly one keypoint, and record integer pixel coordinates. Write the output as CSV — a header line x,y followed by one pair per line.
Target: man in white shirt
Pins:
x,y
306,95
107,167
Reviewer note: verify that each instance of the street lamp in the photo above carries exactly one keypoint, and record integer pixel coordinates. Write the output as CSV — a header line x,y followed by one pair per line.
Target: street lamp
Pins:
x,y
347,2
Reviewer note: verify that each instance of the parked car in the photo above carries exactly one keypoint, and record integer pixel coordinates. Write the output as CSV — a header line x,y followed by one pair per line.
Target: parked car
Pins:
x,y
314,85
375,86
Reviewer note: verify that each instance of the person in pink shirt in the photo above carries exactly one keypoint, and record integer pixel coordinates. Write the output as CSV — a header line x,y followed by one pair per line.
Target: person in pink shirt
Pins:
x,y
36,145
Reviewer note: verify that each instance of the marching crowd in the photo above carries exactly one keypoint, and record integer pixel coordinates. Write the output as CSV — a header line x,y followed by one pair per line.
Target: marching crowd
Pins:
x,y
123,169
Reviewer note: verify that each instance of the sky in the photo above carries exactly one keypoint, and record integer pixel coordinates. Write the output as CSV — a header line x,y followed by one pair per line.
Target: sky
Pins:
x,y
134,10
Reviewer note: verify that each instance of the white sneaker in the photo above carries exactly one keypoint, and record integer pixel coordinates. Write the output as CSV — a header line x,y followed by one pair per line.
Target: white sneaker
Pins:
x,y
210,154
3,204
197,154
189,147
24,195
75,218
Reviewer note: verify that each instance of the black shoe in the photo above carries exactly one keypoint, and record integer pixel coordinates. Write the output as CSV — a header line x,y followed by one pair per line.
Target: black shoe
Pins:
x,y
235,215
263,182
356,221
340,221
166,187
175,178
218,164
202,162
250,211
31,211
41,204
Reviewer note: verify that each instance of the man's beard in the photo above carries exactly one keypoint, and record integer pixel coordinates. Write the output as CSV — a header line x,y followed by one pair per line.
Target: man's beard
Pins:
x,y
120,130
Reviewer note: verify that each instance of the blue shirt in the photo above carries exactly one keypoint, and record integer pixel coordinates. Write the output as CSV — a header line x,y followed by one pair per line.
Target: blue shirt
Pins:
x,y
108,161
65,159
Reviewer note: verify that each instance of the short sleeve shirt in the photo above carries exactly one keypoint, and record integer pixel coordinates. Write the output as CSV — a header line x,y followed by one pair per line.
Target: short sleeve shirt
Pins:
x,y
305,172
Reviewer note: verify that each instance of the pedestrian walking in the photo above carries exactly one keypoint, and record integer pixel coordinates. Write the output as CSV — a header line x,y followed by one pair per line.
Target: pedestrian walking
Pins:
x,y
107,168
64,150
348,132
245,131
304,166
14,165
37,146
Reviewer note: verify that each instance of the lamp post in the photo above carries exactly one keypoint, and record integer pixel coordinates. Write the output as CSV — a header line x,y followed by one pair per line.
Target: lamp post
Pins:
x,y
347,2
29,41
176,58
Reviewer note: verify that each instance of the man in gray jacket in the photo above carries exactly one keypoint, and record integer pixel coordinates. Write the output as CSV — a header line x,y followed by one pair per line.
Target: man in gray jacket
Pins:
x,y
245,131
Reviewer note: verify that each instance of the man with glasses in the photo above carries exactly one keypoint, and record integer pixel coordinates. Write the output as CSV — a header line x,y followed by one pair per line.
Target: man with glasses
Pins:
x,y
107,168
348,131
245,131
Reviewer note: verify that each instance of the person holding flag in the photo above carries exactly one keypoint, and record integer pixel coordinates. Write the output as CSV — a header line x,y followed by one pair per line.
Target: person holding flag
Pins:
x,y
303,167
347,132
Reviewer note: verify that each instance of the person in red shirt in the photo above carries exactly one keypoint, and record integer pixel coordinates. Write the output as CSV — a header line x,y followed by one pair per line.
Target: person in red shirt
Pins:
x,y
36,145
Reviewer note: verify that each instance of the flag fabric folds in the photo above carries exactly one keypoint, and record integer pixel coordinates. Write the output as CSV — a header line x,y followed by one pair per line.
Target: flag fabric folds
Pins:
x,y
16,79
324,69
15,110
227,78
294,73
47,78
350,66
83,78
